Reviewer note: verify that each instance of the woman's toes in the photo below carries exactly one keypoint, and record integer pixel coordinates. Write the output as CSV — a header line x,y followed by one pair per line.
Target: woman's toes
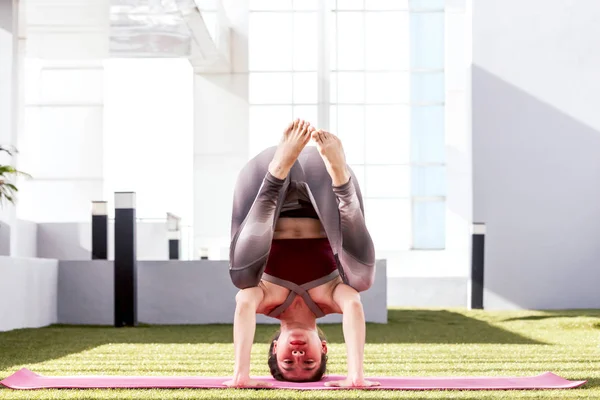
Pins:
x,y
290,127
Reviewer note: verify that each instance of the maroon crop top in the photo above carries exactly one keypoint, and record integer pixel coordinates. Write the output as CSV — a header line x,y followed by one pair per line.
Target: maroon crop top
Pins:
x,y
300,265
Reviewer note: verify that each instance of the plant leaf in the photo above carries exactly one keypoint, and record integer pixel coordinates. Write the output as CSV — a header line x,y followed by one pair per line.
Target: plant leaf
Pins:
x,y
10,151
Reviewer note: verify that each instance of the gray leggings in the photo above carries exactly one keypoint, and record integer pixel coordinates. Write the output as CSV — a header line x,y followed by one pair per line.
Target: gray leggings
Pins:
x,y
258,199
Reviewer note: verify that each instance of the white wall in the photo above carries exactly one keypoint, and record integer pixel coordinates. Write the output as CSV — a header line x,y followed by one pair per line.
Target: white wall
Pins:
x,y
28,290
536,141
174,292
73,241
24,241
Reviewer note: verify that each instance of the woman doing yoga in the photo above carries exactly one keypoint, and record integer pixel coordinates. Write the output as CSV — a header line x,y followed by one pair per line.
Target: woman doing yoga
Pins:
x,y
300,250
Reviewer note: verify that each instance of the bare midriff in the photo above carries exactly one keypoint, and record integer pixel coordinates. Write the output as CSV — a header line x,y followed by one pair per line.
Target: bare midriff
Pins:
x,y
299,228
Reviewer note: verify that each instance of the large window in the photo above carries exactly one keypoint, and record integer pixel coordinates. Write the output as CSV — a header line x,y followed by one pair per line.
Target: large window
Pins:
x,y
283,60
371,71
148,131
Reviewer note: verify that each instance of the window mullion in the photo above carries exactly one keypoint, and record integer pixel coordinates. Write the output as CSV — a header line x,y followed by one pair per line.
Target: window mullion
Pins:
x,y
323,67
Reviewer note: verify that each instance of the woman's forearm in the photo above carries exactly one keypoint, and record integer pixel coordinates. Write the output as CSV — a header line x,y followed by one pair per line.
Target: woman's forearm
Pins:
x,y
354,335
244,327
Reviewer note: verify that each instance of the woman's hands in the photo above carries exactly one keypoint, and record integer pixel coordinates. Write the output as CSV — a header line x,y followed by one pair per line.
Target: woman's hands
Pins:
x,y
348,382
245,381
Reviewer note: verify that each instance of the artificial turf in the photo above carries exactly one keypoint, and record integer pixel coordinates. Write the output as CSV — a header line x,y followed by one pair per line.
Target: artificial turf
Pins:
x,y
413,343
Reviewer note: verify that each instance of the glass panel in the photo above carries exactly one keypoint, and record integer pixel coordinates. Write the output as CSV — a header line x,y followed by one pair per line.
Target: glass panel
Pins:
x,y
429,181
427,4
270,5
305,88
33,71
350,41
388,181
347,87
270,41
206,4
62,130
332,37
427,134
427,40
307,113
349,4
267,124
386,4
389,223
387,41
71,86
306,43
359,172
429,225
351,130
306,4
333,119
159,121
270,88
427,87
387,134
387,87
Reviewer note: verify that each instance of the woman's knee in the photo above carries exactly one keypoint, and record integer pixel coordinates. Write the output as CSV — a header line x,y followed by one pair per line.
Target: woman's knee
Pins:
x,y
244,278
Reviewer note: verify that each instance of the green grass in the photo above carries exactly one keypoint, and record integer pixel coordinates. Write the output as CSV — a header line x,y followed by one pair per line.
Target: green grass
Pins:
x,y
415,342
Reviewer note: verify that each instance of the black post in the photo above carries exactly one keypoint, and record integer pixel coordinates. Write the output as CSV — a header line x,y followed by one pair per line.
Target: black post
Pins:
x,y
173,249
125,260
477,265
174,236
99,230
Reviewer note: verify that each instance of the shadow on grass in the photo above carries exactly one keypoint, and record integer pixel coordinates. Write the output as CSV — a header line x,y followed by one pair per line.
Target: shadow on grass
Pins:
x,y
591,383
558,314
28,346
433,326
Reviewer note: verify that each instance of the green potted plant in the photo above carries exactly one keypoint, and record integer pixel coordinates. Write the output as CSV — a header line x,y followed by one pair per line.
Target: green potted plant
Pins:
x,y
8,190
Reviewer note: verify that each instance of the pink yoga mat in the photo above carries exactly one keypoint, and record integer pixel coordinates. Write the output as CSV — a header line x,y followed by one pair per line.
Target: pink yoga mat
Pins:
x,y
25,379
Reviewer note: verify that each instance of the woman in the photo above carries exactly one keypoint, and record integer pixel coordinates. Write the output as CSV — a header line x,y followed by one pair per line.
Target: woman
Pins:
x,y
300,250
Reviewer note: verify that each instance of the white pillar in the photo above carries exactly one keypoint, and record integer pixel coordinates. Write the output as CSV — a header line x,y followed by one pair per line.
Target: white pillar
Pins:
x,y
220,140
8,35
60,140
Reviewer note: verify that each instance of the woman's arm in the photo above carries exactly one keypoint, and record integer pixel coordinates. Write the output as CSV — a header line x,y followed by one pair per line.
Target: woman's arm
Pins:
x,y
353,322
244,326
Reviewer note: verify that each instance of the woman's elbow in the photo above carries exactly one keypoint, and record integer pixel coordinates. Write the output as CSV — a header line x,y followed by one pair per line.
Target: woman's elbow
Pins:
x,y
248,299
352,306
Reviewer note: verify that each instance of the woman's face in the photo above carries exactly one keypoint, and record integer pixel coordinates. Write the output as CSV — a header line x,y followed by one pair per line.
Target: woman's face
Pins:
x,y
298,352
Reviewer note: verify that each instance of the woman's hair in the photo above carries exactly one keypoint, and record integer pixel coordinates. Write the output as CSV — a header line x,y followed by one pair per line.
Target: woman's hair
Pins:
x,y
276,371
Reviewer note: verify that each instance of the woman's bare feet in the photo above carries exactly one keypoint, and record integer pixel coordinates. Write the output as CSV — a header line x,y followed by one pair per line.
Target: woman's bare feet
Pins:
x,y
294,139
330,148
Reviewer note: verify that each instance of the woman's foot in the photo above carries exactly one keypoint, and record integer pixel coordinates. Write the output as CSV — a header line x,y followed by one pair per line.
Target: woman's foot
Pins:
x,y
332,152
294,139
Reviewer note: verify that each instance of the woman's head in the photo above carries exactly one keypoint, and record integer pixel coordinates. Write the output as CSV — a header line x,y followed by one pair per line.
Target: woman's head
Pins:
x,y
298,355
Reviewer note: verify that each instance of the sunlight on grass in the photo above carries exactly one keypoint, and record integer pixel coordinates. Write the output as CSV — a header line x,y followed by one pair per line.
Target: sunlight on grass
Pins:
x,y
413,343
